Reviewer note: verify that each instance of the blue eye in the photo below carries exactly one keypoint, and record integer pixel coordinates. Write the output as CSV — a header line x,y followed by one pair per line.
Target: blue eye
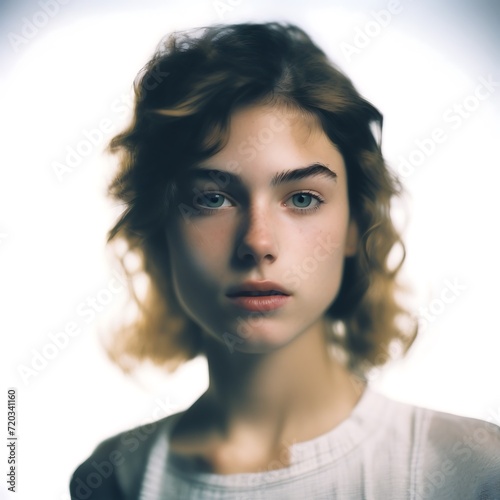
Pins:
x,y
305,202
302,200
213,200
210,202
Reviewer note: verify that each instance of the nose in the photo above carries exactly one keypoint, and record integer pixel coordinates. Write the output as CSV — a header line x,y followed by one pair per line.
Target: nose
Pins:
x,y
257,241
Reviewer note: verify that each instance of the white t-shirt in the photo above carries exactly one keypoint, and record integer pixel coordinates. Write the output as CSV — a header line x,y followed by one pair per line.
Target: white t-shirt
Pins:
x,y
384,450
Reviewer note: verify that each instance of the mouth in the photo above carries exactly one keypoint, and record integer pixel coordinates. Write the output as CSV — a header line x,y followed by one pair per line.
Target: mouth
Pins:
x,y
258,296
250,293
257,289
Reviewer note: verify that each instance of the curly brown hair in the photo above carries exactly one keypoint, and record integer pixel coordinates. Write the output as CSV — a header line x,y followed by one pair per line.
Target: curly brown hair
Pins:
x,y
184,97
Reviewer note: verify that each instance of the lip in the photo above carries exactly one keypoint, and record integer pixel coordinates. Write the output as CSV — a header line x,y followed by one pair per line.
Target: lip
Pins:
x,y
262,304
278,296
257,286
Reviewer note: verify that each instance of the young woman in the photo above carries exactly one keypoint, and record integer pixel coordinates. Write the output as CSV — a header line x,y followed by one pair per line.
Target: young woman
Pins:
x,y
257,198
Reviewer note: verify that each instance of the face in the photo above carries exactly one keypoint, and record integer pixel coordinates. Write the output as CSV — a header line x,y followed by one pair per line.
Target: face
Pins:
x,y
271,206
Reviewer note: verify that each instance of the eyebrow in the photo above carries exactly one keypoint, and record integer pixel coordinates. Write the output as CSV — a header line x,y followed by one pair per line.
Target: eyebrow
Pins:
x,y
314,170
287,176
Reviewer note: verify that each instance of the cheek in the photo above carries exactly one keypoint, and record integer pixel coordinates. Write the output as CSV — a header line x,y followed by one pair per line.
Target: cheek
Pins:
x,y
208,243
199,248
324,241
328,252
319,265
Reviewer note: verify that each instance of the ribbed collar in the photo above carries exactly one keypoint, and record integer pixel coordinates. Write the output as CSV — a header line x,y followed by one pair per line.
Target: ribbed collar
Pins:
x,y
364,421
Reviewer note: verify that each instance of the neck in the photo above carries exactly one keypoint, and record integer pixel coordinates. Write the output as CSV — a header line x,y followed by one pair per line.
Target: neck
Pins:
x,y
294,393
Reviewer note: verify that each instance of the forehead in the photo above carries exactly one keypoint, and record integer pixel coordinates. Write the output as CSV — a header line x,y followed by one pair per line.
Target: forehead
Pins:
x,y
272,119
266,139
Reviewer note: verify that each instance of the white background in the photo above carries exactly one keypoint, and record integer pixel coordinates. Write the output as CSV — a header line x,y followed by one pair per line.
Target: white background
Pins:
x,y
75,69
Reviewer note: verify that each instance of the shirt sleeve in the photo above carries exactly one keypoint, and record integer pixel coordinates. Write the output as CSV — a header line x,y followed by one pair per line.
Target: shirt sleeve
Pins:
x,y
460,458
115,469
96,478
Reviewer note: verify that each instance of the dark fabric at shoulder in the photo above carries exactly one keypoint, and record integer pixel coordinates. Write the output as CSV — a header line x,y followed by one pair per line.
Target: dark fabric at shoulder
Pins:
x,y
96,479
115,469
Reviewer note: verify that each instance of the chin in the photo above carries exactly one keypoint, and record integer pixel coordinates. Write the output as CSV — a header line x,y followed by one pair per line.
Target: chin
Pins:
x,y
261,344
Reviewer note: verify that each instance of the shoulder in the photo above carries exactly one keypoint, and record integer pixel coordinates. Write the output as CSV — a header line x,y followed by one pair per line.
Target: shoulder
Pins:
x,y
449,456
463,451
446,455
115,469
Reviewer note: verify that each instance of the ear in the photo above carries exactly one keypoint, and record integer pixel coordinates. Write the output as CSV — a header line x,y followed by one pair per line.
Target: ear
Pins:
x,y
352,240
